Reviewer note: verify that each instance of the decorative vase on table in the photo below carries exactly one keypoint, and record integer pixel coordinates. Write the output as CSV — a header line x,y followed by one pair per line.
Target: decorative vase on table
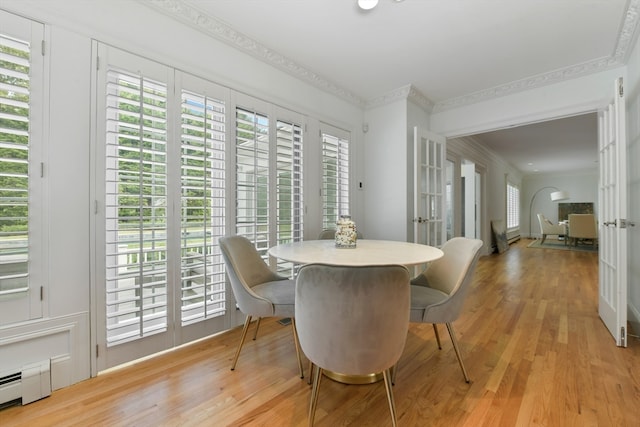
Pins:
x,y
346,235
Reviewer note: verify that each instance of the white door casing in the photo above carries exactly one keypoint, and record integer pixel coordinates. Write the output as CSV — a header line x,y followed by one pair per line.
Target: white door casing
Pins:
x,y
612,301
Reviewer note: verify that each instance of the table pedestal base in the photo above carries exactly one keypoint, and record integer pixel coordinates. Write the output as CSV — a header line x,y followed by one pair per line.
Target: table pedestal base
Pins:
x,y
353,379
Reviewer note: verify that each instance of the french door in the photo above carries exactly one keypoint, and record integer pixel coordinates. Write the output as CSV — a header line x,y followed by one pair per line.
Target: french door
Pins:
x,y
160,205
612,304
430,186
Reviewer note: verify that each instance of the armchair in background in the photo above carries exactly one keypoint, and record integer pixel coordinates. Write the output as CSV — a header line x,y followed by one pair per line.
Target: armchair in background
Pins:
x,y
583,227
548,228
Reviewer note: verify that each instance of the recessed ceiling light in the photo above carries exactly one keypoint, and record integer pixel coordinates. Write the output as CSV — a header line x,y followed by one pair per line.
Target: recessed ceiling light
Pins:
x,y
367,4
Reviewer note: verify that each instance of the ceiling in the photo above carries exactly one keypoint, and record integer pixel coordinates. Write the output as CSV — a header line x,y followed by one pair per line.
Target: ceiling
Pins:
x,y
452,52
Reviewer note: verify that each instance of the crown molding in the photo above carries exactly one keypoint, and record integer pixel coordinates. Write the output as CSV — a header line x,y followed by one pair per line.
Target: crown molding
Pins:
x,y
628,32
184,12
407,92
211,26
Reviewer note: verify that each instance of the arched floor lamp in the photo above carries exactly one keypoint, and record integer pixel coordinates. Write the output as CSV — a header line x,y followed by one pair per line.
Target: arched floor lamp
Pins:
x,y
556,196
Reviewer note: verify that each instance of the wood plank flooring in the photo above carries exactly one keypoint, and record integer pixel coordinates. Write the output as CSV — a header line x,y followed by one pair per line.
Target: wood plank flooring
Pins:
x,y
534,346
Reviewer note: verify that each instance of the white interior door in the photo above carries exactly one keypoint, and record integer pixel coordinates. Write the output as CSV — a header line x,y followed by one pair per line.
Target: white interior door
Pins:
x,y
429,199
612,305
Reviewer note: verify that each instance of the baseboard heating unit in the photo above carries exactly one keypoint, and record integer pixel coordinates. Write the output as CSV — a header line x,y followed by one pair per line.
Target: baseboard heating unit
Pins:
x,y
31,383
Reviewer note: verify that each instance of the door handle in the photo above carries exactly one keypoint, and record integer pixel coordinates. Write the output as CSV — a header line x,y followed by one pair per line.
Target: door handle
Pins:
x,y
623,223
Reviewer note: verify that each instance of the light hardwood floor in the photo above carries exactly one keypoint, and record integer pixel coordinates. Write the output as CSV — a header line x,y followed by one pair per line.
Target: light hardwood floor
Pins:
x,y
536,351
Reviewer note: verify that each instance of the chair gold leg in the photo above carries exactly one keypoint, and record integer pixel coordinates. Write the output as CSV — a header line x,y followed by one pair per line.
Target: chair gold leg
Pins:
x,y
317,376
457,350
435,329
244,335
255,333
394,370
311,366
387,386
297,344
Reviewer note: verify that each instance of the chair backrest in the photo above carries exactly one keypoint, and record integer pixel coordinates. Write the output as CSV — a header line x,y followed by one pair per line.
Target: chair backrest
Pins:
x,y
451,274
583,226
352,320
547,227
245,268
327,234
330,233
544,222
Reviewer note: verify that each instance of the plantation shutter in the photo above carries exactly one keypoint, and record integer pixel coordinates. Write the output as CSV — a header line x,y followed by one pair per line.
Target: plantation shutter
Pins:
x,y
513,207
14,165
252,177
22,212
202,207
335,178
136,207
289,180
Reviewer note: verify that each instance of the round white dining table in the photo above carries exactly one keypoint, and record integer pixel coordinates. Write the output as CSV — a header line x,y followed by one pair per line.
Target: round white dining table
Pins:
x,y
367,252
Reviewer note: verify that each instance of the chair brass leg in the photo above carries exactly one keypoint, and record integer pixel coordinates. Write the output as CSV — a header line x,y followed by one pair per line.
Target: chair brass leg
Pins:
x,y
394,369
317,376
244,335
311,366
457,350
387,386
297,344
435,329
255,333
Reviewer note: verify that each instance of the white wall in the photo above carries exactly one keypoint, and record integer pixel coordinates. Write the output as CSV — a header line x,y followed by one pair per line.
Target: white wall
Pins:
x,y
585,94
388,186
64,333
385,185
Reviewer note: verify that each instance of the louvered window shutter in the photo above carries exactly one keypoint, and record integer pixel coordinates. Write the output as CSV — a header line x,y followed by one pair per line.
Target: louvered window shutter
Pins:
x,y
513,207
23,208
202,207
14,165
136,207
335,179
252,177
289,180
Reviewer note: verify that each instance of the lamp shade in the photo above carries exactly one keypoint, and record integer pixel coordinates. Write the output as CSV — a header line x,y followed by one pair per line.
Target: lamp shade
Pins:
x,y
559,195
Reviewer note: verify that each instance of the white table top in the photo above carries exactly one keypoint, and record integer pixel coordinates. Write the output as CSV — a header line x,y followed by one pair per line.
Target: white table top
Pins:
x,y
366,252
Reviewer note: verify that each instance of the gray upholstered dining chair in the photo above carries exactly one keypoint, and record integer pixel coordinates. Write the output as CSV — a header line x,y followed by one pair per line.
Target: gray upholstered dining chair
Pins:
x,y
352,321
258,291
438,293
330,233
